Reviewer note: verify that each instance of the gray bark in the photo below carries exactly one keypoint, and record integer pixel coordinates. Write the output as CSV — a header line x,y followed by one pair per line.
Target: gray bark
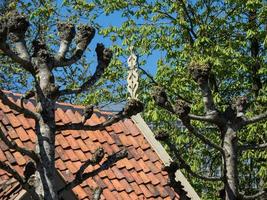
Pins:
x,y
230,164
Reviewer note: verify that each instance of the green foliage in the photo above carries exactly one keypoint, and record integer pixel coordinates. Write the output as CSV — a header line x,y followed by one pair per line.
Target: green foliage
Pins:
x,y
215,32
209,31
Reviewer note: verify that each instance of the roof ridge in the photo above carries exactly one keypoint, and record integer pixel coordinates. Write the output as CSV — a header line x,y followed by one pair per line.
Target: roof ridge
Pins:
x,y
63,105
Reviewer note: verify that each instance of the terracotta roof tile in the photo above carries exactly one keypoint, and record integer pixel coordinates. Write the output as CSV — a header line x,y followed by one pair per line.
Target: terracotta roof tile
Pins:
x,y
152,167
133,195
22,134
144,177
145,191
62,141
117,172
80,192
60,164
70,153
32,135
153,190
107,137
9,157
73,144
131,127
3,118
3,146
110,174
19,158
13,120
124,195
117,185
99,182
2,156
25,123
12,133
109,194
116,194
138,176
82,145
153,178
4,108
144,167
126,185
127,175
132,151
62,153
117,128
108,184
80,155
71,167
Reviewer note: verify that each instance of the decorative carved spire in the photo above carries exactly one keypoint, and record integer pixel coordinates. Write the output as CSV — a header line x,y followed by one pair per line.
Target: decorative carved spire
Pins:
x,y
133,75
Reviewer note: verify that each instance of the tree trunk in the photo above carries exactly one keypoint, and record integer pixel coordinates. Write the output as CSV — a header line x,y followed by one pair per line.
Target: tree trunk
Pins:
x,y
230,164
45,130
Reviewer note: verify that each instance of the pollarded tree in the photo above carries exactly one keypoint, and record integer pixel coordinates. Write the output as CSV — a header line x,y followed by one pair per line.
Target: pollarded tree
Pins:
x,y
212,64
41,63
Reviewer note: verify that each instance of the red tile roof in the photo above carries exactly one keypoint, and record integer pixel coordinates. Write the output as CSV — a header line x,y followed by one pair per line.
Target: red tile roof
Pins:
x,y
139,176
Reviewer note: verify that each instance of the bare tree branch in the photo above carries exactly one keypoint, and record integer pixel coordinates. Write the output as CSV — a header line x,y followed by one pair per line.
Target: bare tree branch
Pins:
x,y
15,26
162,136
200,73
12,171
108,163
188,17
20,179
98,156
103,57
253,147
13,145
131,108
255,196
206,118
24,63
97,193
194,131
84,37
67,33
255,119
17,108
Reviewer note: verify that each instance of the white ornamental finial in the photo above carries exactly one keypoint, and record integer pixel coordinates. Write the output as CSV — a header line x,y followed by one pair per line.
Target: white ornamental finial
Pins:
x,y
133,75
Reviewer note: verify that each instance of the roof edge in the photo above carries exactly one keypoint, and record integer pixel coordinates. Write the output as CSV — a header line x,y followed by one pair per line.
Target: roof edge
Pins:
x,y
163,155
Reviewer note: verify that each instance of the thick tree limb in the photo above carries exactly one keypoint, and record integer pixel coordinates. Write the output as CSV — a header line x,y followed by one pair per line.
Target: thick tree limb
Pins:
x,y
255,196
255,119
22,50
194,131
108,163
103,57
17,108
13,145
200,73
205,118
67,33
84,37
253,147
27,65
207,98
